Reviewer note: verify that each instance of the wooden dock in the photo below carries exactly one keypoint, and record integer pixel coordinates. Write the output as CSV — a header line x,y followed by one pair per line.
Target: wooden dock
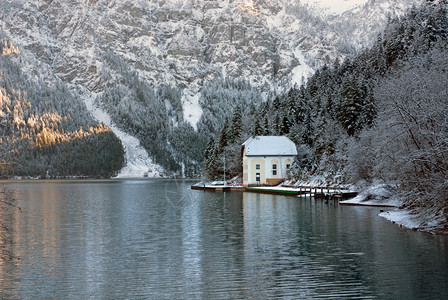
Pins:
x,y
328,193
218,188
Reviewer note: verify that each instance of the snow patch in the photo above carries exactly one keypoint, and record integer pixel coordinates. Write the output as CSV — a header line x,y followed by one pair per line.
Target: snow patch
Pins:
x,y
376,195
138,162
334,7
302,72
401,217
145,41
192,109
276,21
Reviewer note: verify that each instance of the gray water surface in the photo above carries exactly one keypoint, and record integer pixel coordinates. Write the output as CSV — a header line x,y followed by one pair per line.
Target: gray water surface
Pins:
x,y
157,239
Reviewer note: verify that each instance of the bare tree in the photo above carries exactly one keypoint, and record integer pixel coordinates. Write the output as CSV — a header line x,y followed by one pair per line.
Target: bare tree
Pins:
x,y
409,144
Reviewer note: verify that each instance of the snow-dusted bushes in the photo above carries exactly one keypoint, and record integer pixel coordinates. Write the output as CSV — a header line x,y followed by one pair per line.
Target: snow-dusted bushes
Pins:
x,y
409,144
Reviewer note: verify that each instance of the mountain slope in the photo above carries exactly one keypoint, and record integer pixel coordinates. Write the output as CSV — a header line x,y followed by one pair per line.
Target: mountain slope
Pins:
x,y
99,46
190,41
46,131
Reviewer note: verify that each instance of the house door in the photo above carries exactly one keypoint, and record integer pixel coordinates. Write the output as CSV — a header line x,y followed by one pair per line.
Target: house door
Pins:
x,y
257,177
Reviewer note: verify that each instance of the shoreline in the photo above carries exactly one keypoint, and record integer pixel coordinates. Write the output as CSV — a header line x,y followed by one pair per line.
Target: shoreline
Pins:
x,y
86,179
373,196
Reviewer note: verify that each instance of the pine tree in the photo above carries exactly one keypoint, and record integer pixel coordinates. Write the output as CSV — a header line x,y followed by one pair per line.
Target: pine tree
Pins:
x,y
210,159
284,129
266,129
224,137
369,109
350,108
237,126
257,129
276,104
277,124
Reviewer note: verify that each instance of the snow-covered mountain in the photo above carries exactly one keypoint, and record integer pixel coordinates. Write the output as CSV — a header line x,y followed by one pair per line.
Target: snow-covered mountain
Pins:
x,y
273,44
186,42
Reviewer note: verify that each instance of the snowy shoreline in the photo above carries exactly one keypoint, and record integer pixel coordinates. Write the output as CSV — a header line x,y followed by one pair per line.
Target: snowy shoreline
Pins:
x,y
376,195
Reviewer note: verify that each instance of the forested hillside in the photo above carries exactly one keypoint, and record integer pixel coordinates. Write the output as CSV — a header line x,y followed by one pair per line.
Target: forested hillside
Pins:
x,y
46,131
381,115
154,114
155,67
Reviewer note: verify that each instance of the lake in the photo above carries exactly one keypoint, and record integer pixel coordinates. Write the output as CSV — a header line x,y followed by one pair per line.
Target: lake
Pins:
x,y
158,239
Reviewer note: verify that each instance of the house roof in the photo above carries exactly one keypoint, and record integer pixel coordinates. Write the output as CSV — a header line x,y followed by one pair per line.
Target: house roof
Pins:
x,y
269,145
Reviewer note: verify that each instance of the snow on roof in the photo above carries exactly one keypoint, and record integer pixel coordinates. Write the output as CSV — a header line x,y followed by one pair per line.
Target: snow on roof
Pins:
x,y
269,145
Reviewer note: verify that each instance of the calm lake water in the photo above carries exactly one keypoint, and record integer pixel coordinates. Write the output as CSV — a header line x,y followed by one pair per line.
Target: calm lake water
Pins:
x,y
157,239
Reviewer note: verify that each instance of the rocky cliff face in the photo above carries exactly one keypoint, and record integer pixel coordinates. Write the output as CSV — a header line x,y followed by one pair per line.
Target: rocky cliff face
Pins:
x,y
184,43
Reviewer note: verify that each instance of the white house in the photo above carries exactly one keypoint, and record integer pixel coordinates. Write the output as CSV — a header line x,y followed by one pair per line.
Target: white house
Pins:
x,y
267,159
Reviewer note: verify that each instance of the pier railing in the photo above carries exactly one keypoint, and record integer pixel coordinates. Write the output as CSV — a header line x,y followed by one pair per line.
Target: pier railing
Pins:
x,y
322,191
327,192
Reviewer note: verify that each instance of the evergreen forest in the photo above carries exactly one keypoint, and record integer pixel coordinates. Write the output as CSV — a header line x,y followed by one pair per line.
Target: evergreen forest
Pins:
x,y
380,116
46,131
154,114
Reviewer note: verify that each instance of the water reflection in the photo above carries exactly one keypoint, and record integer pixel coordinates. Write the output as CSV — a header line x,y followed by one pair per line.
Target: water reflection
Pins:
x,y
191,242
311,249
159,239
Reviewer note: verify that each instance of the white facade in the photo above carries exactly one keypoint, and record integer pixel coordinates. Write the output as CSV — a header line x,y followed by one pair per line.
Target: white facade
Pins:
x,y
267,160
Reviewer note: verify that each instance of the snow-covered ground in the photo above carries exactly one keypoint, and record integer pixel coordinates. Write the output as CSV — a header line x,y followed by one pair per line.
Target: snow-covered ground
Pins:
x,y
192,109
303,71
402,217
335,7
378,195
138,162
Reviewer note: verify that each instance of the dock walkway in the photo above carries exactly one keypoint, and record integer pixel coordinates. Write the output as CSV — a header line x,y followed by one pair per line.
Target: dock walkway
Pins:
x,y
327,192
219,188
332,193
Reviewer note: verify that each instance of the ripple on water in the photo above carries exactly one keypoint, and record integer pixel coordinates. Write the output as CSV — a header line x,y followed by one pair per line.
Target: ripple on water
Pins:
x,y
160,240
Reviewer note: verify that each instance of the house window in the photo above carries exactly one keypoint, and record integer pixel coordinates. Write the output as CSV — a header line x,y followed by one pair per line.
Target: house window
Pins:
x,y
288,166
257,166
274,169
257,177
